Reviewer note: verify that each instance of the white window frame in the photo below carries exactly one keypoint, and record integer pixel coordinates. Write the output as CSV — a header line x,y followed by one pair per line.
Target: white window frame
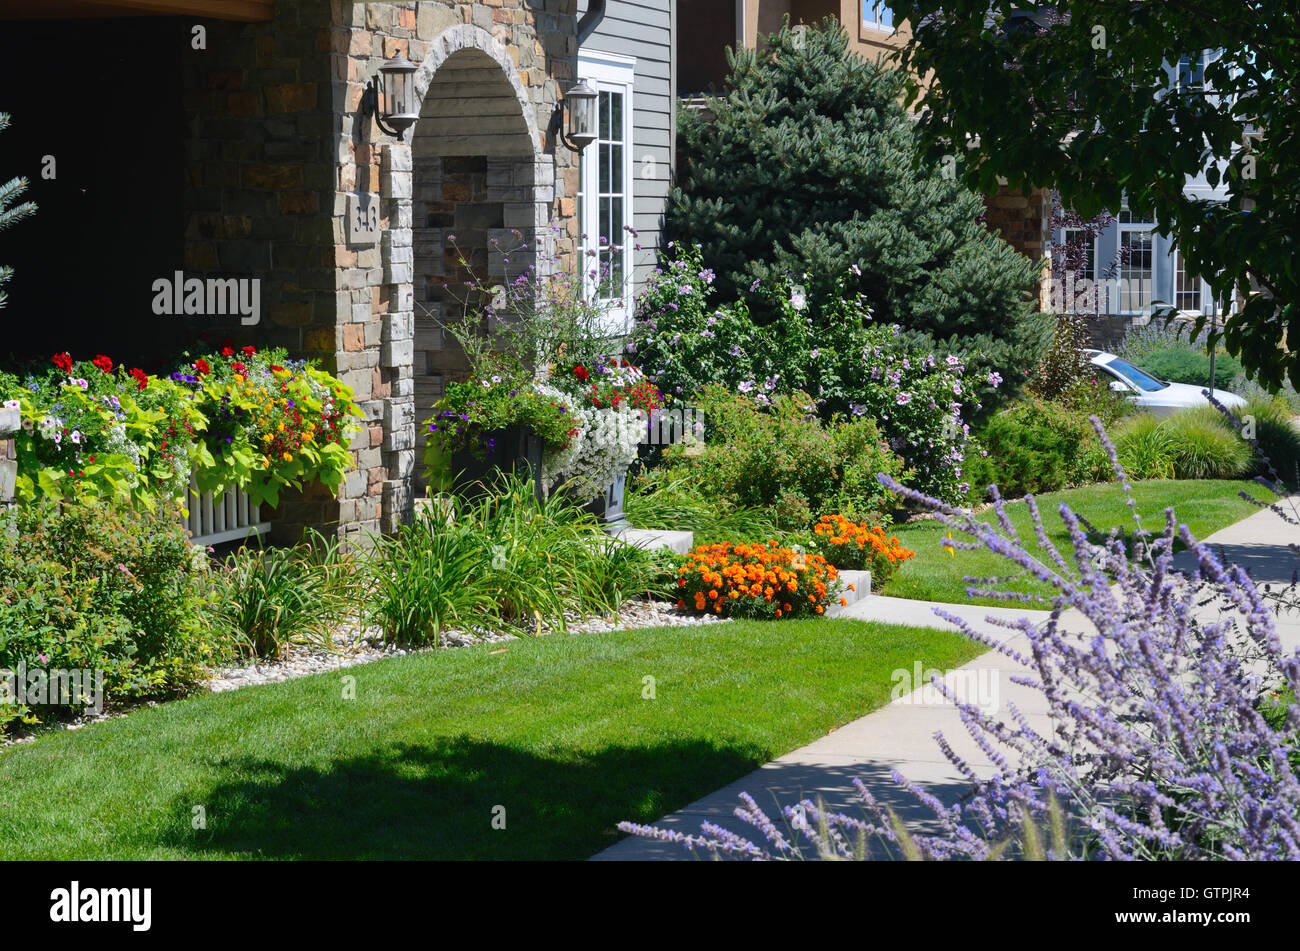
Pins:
x,y
872,19
1067,235
1125,227
613,73
1179,267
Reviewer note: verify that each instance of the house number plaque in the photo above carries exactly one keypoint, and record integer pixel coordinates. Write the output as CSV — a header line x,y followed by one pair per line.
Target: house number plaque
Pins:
x,y
363,219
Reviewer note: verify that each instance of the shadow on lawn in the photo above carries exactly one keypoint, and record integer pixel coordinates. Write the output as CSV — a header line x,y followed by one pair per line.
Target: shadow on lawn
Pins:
x,y
437,802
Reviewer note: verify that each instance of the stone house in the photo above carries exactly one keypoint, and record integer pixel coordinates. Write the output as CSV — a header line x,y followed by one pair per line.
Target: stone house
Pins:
x,y
233,139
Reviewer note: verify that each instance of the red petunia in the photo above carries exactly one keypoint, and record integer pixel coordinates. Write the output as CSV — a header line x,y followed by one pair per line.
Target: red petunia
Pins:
x,y
239,368
248,351
63,361
227,352
581,373
202,367
103,362
140,378
276,368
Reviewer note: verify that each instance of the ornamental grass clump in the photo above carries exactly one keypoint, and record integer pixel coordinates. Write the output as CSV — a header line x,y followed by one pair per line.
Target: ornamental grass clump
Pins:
x,y
1172,736
756,580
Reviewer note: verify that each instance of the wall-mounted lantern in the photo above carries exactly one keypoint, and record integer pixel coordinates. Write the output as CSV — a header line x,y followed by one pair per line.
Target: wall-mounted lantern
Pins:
x,y
581,100
399,111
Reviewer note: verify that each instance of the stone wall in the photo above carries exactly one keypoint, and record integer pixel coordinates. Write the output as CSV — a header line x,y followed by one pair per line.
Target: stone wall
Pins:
x,y
1023,222
280,150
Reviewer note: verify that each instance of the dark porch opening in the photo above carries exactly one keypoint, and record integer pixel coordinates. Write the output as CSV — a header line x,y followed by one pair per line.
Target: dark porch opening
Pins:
x,y
111,221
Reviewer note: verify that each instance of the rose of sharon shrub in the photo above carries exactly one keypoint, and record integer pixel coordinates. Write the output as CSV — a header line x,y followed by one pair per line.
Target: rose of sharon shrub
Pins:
x,y
828,348
756,581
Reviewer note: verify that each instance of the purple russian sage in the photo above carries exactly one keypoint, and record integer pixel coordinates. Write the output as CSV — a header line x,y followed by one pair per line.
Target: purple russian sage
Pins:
x,y
1174,721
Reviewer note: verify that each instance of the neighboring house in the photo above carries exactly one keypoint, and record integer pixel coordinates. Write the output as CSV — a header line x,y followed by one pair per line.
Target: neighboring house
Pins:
x,y
1130,265
231,138
712,25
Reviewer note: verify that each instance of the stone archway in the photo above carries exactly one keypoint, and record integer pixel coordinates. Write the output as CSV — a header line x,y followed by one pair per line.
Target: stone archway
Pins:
x,y
474,169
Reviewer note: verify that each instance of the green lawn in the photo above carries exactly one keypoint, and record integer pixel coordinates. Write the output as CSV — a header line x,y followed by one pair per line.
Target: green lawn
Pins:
x,y
554,730
935,575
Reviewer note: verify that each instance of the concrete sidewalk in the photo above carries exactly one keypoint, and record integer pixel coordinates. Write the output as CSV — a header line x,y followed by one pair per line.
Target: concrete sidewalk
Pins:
x,y
900,735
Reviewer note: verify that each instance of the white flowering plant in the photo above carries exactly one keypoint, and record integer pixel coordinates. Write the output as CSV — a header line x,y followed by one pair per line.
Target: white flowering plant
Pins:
x,y
606,443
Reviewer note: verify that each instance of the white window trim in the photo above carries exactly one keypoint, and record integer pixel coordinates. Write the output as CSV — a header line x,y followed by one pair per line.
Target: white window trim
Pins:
x,y
1118,280
616,73
1063,239
1178,264
876,24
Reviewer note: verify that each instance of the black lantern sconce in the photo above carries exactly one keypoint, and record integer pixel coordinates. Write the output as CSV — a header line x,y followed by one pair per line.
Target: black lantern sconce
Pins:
x,y
581,132
399,111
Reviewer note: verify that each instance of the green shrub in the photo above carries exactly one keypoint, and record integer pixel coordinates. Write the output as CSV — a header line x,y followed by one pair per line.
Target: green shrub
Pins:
x,y
1034,446
1277,437
785,461
1203,446
107,588
268,598
1182,365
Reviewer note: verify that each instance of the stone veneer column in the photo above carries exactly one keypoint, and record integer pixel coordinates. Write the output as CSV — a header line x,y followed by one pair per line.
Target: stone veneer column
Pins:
x,y
534,44
1024,222
397,348
10,423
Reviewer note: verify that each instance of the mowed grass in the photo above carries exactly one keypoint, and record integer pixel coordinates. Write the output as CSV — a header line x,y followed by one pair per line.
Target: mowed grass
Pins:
x,y
557,736
1204,505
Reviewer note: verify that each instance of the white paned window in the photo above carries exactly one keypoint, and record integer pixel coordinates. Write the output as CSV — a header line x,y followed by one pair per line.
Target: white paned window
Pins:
x,y
606,181
1082,252
1187,290
1136,263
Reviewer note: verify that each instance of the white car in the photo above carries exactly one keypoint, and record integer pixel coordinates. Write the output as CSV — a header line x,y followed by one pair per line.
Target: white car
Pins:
x,y
1151,394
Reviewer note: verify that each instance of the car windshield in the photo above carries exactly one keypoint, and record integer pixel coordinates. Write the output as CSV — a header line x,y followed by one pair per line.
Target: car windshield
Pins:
x,y
1143,381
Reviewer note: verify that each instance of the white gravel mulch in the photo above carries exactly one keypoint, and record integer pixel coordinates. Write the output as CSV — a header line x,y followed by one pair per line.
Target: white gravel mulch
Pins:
x,y
353,646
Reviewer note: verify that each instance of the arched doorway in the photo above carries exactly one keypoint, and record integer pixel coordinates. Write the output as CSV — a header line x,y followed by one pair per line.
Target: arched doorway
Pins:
x,y
480,189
